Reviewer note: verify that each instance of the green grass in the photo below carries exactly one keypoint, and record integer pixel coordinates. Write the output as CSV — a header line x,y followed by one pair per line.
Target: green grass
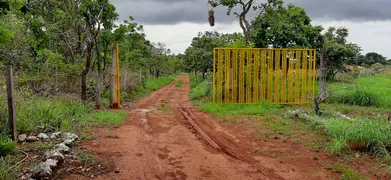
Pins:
x,y
366,91
150,85
157,83
6,145
5,172
179,83
242,109
37,114
201,90
109,118
360,132
347,173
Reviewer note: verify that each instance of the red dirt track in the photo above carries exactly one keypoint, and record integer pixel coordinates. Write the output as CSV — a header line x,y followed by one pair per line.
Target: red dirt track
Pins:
x,y
166,146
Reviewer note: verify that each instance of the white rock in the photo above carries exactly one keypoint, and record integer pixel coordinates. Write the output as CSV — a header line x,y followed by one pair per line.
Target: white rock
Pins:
x,y
43,136
44,169
69,142
55,135
22,137
54,154
62,148
70,136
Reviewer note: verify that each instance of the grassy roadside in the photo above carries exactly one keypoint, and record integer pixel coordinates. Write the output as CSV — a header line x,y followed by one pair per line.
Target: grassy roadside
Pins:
x,y
150,86
367,135
46,115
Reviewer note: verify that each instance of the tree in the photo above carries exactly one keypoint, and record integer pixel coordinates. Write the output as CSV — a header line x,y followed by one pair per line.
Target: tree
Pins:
x,y
199,56
286,28
373,58
245,6
336,51
95,13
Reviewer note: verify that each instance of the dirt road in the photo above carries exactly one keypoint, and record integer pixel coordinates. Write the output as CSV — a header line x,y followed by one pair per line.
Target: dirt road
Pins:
x,y
158,142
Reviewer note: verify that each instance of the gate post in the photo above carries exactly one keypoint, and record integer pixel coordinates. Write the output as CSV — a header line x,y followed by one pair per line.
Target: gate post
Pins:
x,y
115,95
11,102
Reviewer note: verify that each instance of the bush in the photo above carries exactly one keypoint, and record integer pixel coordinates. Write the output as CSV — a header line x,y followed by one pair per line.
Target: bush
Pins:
x,y
6,145
358,97
199,91
47,115
5,172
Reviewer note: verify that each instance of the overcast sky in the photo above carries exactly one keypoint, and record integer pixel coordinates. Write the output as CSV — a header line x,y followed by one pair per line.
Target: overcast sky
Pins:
x,y
176,22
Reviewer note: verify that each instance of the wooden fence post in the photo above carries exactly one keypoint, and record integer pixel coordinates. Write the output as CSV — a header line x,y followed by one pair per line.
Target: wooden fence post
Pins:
x,y
11,102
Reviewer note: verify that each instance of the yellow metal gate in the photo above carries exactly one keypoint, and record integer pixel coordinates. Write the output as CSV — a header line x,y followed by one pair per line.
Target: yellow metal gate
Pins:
x,y
253,75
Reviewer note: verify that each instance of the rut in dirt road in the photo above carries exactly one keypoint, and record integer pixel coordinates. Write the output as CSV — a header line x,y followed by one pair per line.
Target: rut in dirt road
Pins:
x,y
158,142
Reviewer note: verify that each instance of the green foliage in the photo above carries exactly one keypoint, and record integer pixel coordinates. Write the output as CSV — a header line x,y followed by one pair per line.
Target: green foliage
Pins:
x,y
6,145
150,85
179,83
46,115
242,109
199,91
358,97
361,132
336,50
337,146
347,173
286,27
5,172
157,83
109,118
366,91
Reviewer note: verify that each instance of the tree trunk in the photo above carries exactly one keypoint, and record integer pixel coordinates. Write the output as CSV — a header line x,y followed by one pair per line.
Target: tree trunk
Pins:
x,y
141,76
85,72
157,73
203,74
323,94
97,90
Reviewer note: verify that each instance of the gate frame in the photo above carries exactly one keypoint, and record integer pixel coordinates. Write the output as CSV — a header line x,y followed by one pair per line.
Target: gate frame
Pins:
x,y
259,56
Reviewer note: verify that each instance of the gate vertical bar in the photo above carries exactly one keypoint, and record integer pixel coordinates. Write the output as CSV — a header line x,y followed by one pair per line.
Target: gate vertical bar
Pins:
x,y
234,76
220,69
310,73
277,77
297,76
270,76
304,77
263,78
249,72
256,77
241,77
214,76
290,77
314,74
228,75
284,73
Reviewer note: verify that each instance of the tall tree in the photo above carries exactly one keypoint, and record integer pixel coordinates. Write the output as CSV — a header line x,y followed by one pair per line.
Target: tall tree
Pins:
x,y
336,51
286,27
95,14
241,8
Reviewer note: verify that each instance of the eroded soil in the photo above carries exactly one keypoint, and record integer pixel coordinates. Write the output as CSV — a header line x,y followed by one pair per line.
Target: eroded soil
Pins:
x,y
157,141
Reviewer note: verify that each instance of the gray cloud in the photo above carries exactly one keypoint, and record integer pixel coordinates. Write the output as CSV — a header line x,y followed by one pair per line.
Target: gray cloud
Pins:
x,y
168,12
353,10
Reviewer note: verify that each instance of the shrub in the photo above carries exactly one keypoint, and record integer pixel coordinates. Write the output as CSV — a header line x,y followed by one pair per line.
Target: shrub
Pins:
x,y
6,145
199,91
5,172
358,97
